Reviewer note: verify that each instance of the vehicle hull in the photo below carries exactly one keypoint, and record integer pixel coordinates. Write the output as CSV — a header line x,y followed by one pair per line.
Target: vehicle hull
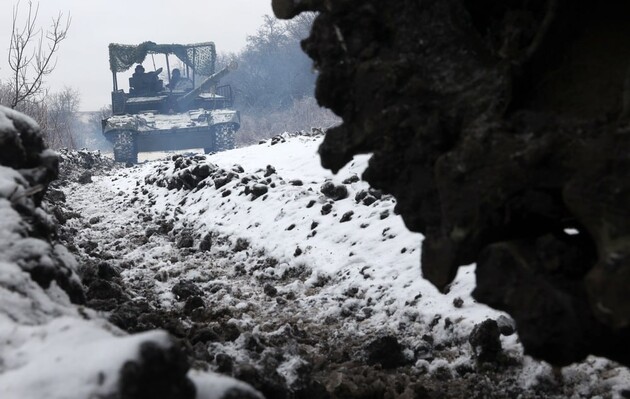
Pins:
x,y
212,130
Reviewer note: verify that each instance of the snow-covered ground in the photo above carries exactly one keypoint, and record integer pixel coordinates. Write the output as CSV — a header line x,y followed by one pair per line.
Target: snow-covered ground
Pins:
x,y
295,272
50,345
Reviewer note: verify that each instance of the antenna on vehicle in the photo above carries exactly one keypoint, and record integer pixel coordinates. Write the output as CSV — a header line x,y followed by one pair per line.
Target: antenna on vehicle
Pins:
x,y
168,69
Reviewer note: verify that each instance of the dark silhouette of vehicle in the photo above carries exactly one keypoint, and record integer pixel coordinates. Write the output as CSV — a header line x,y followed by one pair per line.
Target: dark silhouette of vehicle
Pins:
x,y
192,111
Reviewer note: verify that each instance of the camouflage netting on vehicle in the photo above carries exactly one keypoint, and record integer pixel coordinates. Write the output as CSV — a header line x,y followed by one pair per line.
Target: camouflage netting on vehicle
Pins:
x,y
201,55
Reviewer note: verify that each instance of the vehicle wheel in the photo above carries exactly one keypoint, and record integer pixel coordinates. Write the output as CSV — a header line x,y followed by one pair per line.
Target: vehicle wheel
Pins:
x,y
125,148
224,139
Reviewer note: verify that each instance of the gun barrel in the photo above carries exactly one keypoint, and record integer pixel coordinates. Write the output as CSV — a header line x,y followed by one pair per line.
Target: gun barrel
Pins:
x,y
206,84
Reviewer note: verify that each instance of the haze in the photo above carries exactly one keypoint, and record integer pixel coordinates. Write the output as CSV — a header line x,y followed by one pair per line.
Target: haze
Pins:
x,y
83,58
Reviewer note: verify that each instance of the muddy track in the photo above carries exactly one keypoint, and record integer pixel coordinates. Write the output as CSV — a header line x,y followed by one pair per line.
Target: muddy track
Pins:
x,y
237,311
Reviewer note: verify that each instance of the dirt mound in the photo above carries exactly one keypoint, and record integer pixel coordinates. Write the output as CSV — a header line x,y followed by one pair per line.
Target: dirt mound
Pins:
x,y
80,165
27,169
52,348
167,245
498,126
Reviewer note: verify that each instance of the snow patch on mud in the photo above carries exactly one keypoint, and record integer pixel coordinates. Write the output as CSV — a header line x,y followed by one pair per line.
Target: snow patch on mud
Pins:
x,y
274,271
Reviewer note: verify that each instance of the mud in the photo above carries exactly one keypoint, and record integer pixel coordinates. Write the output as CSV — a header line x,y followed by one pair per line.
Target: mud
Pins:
x,y
28,172
244,326
23,152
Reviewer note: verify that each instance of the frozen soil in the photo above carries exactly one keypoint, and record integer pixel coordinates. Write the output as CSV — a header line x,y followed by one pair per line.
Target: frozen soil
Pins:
x,y
303,284
51,345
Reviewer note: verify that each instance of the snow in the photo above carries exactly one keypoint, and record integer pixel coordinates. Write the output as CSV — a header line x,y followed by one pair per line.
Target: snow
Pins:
x,y
210,95
146,122
287,369
370,259
9,118
372,256
9,179
217,386
49,347
145,99
52,349
67,357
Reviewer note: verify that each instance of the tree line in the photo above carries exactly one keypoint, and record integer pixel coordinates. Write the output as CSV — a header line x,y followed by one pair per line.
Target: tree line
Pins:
x,y
275,81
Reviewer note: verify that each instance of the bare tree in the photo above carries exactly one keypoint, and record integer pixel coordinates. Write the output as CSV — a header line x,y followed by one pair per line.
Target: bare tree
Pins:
x,y
299,27
271,36
275,81
61,115
5,93
32,53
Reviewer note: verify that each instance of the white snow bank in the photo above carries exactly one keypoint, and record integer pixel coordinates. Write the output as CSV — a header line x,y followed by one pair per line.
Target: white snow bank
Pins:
x,y
373,254
9,118
66,358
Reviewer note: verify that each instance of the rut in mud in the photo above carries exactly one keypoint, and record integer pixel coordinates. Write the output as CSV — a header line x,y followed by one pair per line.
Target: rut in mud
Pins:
x,y
297,282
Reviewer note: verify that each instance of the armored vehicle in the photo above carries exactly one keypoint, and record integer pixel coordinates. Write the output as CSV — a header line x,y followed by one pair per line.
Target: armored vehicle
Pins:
x,y
191,111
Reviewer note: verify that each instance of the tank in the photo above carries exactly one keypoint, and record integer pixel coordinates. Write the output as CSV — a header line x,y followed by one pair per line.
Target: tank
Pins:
x,y
182,114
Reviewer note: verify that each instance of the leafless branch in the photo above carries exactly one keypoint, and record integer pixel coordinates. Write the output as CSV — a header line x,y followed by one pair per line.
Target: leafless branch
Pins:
x,y
550,15
32,52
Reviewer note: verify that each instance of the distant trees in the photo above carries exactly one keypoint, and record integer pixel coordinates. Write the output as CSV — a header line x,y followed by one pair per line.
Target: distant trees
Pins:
x,y
275,80
273,70
55,113
61,118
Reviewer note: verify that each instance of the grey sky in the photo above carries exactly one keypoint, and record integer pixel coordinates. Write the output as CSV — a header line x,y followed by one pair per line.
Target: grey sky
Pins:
x,y
83,58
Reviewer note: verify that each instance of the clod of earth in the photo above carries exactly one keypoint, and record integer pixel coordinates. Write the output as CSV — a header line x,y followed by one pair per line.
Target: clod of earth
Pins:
x,y
386,351
85,178
502,130
159,373
256,190
185,289
206,243
27,168
326,209
485,341
185,240
333,191
270,170
346,217
351,179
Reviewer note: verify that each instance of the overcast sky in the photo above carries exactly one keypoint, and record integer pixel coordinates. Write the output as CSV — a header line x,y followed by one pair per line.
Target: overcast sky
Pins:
x,y
83,58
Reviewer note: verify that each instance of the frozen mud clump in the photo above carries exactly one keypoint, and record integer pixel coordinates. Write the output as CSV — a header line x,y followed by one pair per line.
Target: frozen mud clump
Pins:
x,y
158,373
77,166
52,348
333,191
189,173
387,352
185,289
27,237
485,341
481,119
